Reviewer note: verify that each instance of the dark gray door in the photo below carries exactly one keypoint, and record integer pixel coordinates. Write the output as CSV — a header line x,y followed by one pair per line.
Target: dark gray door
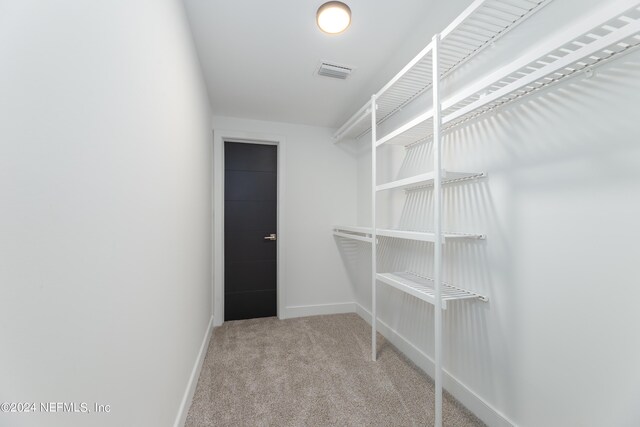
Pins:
x,y
250,218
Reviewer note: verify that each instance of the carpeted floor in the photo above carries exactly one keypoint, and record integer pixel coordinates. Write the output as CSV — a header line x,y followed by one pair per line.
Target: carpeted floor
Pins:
x,y
312,371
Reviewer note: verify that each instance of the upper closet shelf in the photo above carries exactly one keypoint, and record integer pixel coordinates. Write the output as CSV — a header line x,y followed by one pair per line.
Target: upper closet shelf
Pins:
x,y
597,38
481,24
426,179
422,288
364,234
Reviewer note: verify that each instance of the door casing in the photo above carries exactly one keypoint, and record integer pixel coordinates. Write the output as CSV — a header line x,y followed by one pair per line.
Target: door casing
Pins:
x,y
217,291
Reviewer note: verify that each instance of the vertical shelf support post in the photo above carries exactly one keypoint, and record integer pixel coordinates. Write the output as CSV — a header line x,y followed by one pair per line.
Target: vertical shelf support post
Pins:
x,y
437,218
374,240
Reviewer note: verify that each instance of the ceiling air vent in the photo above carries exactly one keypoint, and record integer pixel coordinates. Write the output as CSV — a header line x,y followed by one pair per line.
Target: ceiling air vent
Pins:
x,y
332,70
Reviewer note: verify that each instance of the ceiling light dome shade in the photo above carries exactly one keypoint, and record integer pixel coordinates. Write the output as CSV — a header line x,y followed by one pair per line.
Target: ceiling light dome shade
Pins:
x,y
333,17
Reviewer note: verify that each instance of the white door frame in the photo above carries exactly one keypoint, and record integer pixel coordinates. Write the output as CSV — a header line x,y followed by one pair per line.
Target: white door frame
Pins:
x,y
220,136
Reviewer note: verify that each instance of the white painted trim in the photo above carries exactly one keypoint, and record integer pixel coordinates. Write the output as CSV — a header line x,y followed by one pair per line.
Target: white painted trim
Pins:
x,y
483,410
218,229
213,234
219,136
183,410
321,309
281,233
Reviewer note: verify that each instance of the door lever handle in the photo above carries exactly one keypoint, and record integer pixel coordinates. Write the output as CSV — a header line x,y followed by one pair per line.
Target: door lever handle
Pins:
x,y
271,236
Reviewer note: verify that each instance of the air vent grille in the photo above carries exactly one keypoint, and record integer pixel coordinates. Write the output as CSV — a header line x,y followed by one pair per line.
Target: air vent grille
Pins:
x,y
335,71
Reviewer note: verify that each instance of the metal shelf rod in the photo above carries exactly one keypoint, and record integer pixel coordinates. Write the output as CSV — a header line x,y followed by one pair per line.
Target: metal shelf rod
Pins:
x,y
437,222
374,240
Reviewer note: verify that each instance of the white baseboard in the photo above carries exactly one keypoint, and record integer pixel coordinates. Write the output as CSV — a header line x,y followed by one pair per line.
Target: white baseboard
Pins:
x,y
319,309
217,320
488,414
193,379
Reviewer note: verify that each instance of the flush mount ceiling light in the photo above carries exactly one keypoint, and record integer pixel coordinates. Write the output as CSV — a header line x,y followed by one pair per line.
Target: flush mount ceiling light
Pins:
x,y
333,17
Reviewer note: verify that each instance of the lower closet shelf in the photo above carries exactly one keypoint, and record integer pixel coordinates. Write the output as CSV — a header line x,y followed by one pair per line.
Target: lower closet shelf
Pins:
x,y
352,236
423,288
364,234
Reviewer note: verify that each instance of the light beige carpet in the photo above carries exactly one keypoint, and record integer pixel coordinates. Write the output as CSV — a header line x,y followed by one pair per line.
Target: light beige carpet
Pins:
x,y
312,371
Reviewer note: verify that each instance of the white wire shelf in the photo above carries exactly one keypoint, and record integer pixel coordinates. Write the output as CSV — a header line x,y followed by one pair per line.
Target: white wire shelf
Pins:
x,y
481,24
364,234
595,39
352,236
411,131
423,288
426,179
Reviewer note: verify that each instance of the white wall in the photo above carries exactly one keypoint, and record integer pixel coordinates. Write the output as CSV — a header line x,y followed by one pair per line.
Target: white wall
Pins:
x,y
558,343
319,192
105,196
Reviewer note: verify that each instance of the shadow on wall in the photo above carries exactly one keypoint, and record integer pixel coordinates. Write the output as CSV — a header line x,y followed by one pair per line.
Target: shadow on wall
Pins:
x,y
356,257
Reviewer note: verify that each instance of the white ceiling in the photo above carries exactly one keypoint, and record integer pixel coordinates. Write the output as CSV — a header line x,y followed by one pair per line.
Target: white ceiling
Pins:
x,y
259,57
